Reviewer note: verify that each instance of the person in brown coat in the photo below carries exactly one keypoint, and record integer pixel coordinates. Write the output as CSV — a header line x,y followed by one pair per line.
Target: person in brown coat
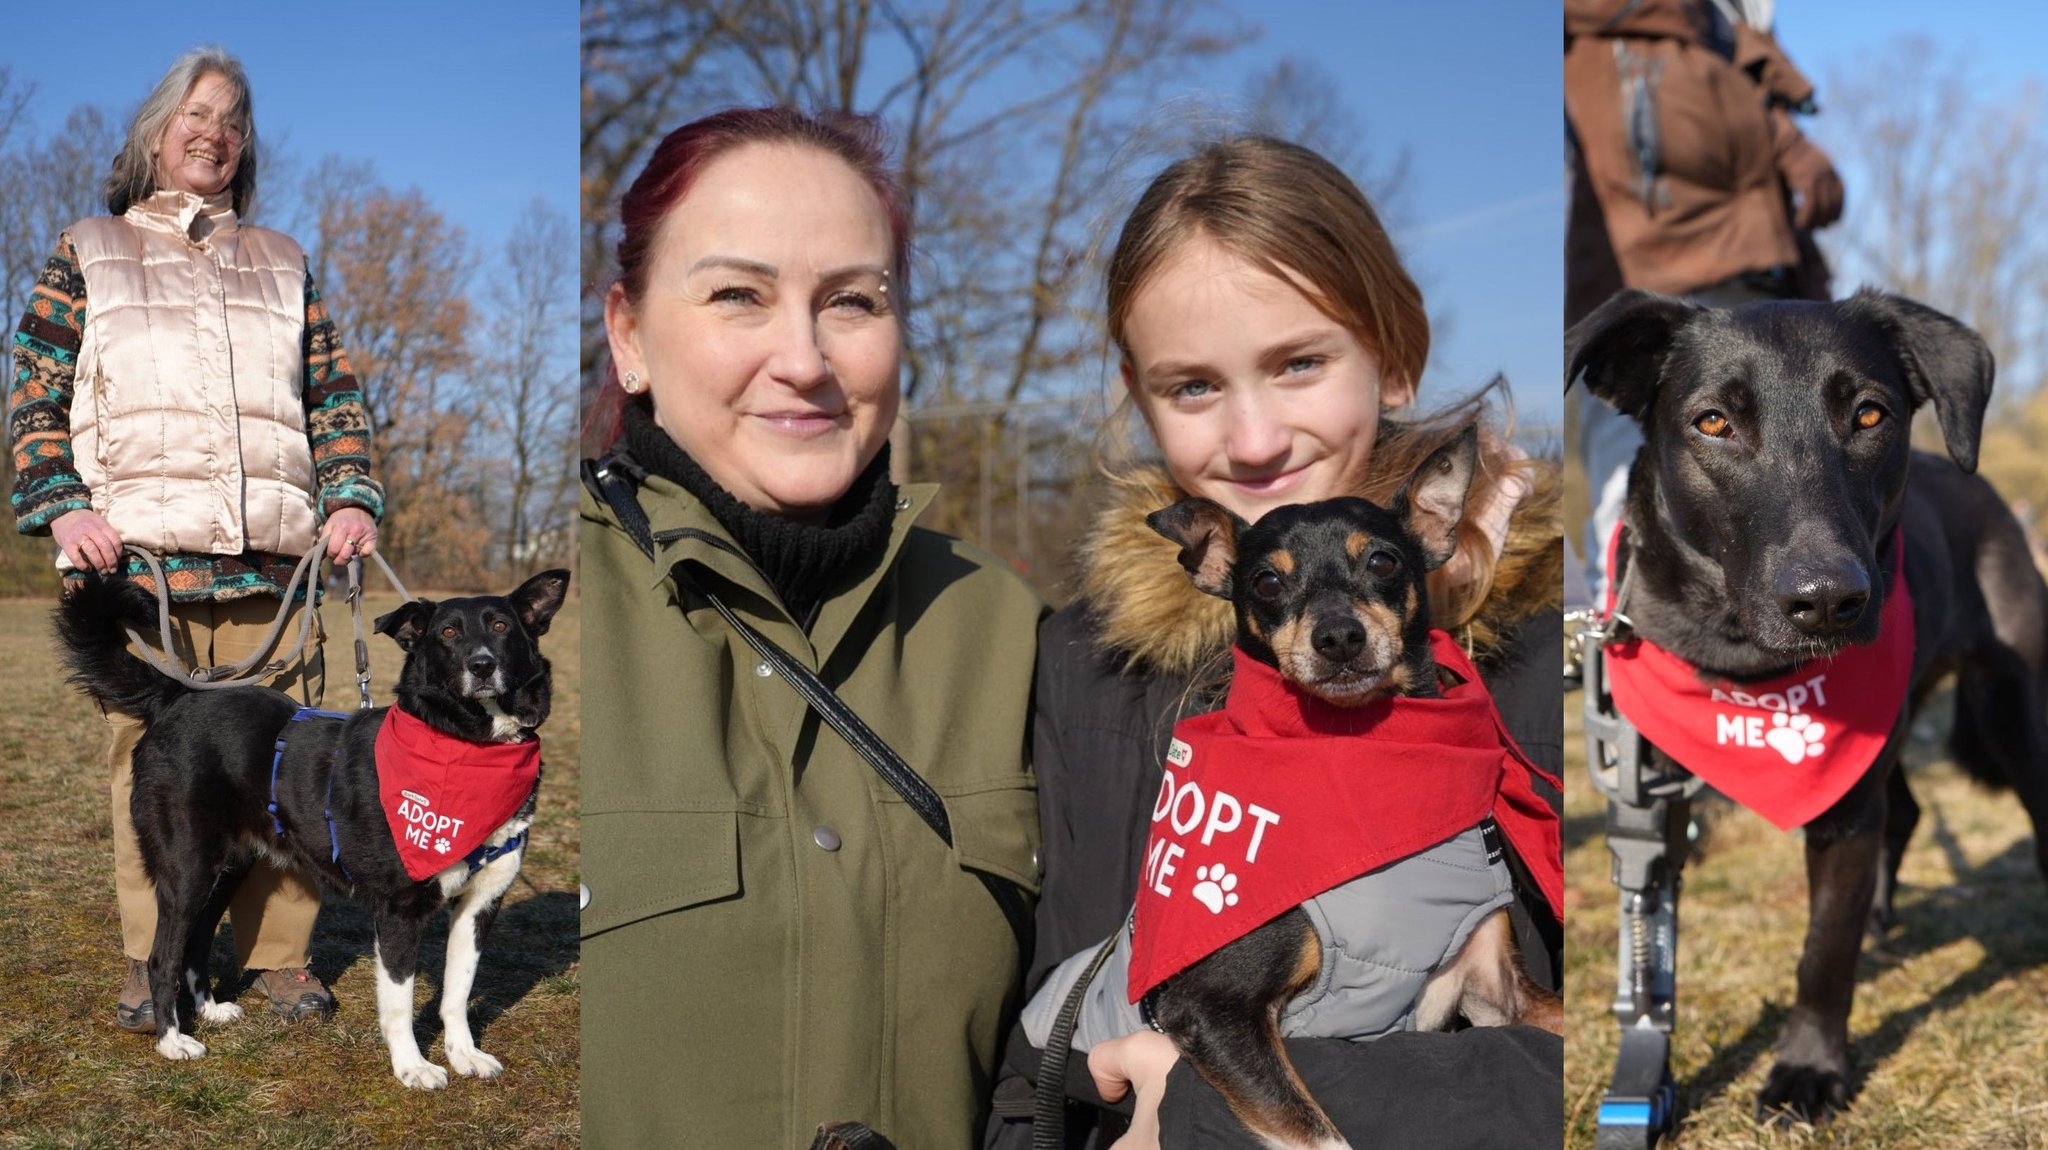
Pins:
x,y
1689,177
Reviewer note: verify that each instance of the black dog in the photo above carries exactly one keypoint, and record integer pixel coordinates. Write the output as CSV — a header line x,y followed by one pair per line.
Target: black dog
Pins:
x,y
213,788
1331,594
1774,472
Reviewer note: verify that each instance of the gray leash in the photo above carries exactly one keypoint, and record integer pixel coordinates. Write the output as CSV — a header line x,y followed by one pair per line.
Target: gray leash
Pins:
x,y
253,669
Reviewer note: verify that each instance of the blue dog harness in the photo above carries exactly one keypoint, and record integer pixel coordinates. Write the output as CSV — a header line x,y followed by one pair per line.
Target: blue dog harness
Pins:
x,y
327,807
476,858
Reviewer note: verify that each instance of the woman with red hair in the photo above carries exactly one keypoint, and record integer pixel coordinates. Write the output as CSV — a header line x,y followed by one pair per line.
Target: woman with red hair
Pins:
x,y
775,937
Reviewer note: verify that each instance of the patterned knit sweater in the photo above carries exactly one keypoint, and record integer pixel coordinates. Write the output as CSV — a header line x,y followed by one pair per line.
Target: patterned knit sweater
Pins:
x,y
46,479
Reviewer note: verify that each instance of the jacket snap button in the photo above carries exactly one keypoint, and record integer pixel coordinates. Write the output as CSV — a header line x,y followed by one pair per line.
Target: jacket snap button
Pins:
x,y
826,838
903,504
582,897
763,670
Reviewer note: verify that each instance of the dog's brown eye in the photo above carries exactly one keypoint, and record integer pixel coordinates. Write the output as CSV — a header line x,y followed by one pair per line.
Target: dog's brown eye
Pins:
x,y
1267,587
500,626
448,632
1712,423
1869,415
1382,564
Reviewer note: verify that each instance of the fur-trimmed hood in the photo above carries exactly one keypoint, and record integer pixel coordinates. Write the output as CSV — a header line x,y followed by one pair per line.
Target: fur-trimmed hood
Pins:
x,y
1146,611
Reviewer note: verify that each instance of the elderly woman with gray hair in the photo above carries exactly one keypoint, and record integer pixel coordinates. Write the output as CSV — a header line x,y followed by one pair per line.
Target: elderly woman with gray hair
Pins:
x,y
201,407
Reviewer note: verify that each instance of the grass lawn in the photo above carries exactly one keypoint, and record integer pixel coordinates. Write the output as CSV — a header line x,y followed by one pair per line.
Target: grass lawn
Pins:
x,y
1948,1040
68,1078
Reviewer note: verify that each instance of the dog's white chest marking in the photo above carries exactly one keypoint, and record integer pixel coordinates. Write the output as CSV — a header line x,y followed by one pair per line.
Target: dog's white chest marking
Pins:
x,y
504,728
498,873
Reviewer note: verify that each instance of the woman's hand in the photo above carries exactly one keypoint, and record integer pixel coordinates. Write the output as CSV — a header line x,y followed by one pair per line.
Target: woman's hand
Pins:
x,y
350,533
88,540
1141,1061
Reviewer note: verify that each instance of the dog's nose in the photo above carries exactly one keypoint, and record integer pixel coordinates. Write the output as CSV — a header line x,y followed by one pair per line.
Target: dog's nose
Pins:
x,y
1824,600
1339,639
481,666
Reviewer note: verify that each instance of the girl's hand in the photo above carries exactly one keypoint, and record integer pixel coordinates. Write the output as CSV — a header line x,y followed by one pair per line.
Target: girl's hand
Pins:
x,y
88,540
1137,1061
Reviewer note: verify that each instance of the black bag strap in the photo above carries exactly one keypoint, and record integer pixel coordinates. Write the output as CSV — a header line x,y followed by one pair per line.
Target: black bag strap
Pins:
x,y
1049,1096
613,481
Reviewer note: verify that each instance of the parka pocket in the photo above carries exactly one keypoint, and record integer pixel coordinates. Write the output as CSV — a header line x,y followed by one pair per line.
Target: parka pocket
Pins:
x,y
637,864
995,829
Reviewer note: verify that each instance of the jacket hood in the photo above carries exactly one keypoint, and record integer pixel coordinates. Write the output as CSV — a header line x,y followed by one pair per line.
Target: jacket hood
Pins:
x,y
1145,611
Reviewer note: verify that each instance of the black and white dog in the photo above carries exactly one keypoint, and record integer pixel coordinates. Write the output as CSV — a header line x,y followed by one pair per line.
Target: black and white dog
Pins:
x,y
224,775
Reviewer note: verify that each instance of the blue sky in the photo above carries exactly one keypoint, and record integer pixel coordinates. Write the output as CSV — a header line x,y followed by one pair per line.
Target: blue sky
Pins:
x,y
1473,92
473,103
476,104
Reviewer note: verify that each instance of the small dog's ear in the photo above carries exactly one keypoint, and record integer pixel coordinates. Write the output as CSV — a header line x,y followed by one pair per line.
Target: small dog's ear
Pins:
x,y
1620,348
1943,360
1207,534
539,598
1432,502
407,623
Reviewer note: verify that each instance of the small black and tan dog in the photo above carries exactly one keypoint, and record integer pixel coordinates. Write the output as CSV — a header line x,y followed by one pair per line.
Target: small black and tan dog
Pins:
x,y
1332,595
219,779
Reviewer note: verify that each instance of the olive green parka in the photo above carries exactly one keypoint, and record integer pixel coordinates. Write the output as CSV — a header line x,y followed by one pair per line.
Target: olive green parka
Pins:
x,y
773,939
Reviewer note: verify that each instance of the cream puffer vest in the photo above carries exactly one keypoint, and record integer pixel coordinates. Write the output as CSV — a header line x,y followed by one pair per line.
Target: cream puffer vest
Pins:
x,y
188,422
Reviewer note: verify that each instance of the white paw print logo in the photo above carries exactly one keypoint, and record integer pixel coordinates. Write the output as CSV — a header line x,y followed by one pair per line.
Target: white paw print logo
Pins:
x,y
442,845
1216,887
1795,736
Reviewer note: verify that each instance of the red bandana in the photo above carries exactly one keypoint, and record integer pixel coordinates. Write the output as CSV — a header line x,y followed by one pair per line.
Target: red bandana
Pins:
x,y
443,796
1788,747
1281,796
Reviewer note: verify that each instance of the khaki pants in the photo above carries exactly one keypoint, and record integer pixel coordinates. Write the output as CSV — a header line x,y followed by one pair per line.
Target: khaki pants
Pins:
x,y
273,912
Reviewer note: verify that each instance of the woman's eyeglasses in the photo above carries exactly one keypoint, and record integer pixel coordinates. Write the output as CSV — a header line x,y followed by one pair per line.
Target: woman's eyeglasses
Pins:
x,y
199,119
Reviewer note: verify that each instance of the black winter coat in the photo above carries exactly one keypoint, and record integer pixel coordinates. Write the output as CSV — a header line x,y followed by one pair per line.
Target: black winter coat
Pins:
x,y
1100,735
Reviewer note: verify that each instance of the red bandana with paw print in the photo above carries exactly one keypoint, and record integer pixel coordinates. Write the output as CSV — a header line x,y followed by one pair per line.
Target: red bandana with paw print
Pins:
x,y
1788,747
443,796
1281,796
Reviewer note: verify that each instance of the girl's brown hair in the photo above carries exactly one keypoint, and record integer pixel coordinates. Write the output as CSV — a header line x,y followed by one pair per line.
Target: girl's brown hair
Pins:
x,y
1285,209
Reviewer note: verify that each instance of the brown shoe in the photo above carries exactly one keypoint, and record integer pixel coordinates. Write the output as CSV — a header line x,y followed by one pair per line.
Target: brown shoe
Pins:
x,y
295,993
134,1011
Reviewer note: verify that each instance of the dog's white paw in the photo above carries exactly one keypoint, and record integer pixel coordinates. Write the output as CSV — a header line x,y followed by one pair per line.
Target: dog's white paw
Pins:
x,y
211,1011
473,1062
179,1047
421,1075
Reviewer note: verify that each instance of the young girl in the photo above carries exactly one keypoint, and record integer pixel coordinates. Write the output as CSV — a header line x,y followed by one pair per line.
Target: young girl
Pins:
x,y
1267,334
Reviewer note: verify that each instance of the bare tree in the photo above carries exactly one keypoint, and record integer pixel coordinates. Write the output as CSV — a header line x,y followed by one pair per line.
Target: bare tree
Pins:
x,y
1001,174
45,186
530,375
1953,187
393,272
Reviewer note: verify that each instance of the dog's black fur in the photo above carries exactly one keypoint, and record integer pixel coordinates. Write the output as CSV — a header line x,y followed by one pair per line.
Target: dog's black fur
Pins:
x,y
1332,595
1774,470
202,774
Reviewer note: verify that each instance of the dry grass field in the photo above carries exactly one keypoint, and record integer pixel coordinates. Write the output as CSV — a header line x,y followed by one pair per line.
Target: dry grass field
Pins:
x,y
1949,1036
68,1078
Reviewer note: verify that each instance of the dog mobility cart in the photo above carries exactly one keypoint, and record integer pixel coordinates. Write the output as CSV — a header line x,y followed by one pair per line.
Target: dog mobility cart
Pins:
x,y
1649,811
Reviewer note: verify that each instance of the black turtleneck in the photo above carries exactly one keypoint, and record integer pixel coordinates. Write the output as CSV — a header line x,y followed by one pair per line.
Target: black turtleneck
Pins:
x,y
803,561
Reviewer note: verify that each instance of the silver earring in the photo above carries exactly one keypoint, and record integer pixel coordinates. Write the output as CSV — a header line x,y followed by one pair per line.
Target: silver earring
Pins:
x,y
631,382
